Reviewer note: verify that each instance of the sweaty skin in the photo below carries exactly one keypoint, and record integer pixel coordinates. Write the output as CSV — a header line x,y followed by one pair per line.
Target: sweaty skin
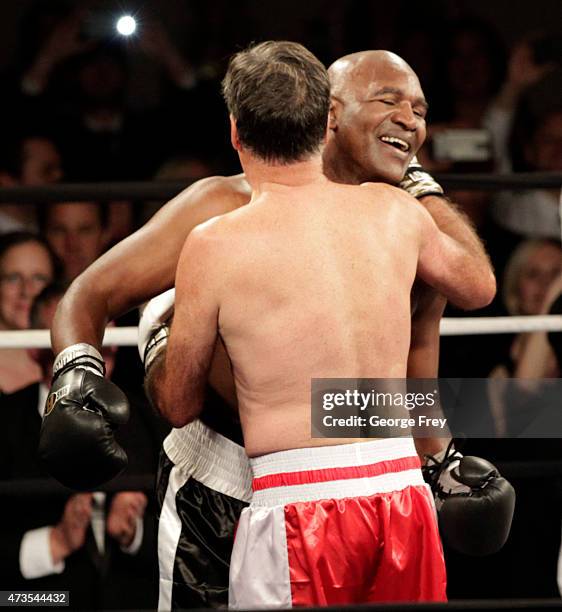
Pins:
x,y
143,265
297,289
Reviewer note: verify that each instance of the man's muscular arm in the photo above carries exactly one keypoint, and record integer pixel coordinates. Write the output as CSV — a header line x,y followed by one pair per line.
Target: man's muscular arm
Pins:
x,y
446,264
449,219
453,222
427,304
139,267
194,329
423,359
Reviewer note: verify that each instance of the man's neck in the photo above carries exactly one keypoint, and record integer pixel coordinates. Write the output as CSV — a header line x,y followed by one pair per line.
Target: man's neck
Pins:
x,y
262,175
336,169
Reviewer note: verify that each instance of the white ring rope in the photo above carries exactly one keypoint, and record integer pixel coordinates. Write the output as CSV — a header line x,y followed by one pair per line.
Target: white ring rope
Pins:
x,y
41,338
560,213
450,326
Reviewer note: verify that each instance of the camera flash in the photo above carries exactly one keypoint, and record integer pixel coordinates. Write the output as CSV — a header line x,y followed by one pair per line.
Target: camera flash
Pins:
x,y
126,25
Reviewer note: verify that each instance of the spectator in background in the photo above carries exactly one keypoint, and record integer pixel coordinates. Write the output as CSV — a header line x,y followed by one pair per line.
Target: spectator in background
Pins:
x,y
101,138
535,213
26,159
525,119
472,60
80,73
523,74
474,71
27,265
100,547
77,233
533,269
531,281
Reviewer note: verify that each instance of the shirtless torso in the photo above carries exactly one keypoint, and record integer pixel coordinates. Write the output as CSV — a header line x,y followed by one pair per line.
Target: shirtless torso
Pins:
x,y
303,289
316,292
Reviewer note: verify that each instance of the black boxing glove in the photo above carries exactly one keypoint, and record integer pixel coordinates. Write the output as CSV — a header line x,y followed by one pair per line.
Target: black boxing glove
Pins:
x,y
418,182
475,504
83,409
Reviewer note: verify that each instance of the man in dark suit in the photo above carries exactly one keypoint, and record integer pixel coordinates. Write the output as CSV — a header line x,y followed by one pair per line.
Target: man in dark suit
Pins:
x,y
98,546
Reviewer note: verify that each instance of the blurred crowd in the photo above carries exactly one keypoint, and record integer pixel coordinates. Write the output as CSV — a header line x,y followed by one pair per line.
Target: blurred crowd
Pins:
x,y
82,104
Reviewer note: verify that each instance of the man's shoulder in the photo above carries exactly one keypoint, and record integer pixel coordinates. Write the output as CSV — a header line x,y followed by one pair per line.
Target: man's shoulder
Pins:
x,y
392,197
203,200
386,190
227,191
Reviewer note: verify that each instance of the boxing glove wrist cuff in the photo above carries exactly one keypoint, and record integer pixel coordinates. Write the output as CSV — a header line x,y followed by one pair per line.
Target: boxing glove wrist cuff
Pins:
x,y
418,182
155,345
440,473
450,453
81,354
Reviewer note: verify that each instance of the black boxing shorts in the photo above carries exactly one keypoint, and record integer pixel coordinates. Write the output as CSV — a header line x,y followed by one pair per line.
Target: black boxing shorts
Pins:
x,y
204,482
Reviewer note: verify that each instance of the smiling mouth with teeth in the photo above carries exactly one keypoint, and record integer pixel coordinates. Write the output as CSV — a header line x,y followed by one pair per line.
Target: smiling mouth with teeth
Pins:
x,y
397,143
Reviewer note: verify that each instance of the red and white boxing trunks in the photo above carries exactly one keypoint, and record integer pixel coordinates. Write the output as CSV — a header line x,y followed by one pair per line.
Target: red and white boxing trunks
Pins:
x,y
336,525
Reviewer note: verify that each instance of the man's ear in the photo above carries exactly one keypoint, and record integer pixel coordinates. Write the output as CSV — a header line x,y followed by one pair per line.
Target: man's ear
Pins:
x,y
334,114
234,140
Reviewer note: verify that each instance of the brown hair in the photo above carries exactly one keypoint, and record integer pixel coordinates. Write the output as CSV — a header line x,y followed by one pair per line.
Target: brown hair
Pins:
x,y
279,95
516,266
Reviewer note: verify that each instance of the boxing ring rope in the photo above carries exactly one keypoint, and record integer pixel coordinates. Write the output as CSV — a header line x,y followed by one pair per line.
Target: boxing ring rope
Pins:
x,y
164,190
450,326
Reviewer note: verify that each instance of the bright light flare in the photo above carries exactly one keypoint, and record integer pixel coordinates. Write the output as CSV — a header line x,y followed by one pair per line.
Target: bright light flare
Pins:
x,y
126,25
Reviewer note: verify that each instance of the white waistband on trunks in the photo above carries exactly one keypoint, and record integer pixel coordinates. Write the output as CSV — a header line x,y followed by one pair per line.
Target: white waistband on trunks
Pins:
x,y
211,459
335,472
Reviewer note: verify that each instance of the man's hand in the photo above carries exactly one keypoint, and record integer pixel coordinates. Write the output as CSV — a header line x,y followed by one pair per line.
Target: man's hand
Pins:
x,y
523,71
155,41
62,43
83,409
70,533
126,508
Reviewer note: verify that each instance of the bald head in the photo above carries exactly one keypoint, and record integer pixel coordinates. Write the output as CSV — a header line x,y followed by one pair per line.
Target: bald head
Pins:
x,y
377,118
352,68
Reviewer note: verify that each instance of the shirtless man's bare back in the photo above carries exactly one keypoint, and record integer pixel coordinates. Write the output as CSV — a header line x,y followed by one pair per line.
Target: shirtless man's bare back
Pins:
x,y
301,289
